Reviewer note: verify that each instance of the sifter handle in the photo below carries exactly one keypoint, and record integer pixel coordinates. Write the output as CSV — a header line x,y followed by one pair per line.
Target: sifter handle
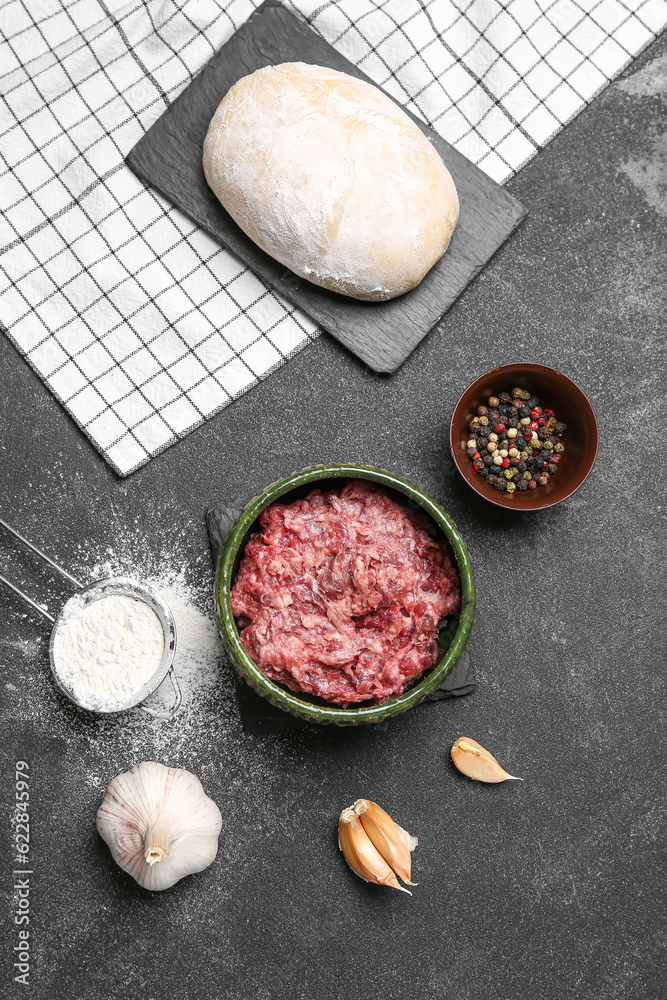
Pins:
x,y
170,713
45,558
42,555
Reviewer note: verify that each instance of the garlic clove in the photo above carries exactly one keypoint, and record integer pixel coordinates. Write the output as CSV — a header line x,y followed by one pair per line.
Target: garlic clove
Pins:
x,y
360,853
477,763
393,842
159,824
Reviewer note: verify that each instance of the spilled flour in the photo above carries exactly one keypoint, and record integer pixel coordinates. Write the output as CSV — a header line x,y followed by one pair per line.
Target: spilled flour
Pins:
x,y
650,81
75,754
198,651
648,172
204,676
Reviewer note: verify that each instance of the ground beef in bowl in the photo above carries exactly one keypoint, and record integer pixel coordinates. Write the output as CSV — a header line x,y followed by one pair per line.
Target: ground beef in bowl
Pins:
x,y
341,594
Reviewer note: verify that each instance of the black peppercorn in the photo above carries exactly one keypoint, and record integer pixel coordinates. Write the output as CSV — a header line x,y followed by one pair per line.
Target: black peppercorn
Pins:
x,y
497,428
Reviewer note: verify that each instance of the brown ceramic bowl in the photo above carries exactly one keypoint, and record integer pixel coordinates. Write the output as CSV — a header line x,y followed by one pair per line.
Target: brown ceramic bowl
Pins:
x,y
569,403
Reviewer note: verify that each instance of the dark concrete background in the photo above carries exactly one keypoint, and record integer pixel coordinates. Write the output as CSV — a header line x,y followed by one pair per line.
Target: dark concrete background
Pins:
x,y
553,887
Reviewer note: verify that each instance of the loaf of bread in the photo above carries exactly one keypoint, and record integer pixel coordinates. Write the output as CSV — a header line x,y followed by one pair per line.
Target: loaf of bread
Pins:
x,y
331,178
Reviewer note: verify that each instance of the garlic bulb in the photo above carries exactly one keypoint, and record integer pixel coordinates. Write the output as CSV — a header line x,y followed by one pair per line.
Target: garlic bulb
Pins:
x,y
477,763
159,824
374,846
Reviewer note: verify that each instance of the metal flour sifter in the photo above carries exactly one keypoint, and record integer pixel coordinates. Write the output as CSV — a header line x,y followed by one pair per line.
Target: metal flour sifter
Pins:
x,y
87,594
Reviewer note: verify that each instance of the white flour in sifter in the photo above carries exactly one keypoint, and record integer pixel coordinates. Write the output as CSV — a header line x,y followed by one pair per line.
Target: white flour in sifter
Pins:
x,y
108,651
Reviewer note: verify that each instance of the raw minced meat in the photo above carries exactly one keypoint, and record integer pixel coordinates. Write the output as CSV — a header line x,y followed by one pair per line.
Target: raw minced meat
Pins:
x,y
341,594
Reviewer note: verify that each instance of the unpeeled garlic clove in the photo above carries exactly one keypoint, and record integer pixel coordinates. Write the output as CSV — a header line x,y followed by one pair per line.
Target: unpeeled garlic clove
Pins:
x,y
393,842
360,854
373,853
477,763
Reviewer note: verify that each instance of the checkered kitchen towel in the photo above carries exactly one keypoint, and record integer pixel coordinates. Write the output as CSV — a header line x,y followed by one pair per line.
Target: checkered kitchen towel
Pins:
x,y
140,324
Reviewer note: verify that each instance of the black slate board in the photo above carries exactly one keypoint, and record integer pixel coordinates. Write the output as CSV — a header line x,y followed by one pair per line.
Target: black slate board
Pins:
x,y
381,334
260,716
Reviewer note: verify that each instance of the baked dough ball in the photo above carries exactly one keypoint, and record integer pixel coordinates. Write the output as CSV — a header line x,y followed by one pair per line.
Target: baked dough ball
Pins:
x,y
331,178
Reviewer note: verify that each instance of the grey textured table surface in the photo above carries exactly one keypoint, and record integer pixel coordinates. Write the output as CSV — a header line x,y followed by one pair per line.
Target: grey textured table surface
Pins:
x,y
548,888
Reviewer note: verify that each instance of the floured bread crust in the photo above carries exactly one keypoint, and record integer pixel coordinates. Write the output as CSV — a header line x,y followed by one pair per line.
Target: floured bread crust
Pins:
x,y
331,178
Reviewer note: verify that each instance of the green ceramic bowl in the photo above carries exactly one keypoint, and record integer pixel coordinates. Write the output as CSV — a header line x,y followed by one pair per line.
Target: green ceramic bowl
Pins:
x,y
452,640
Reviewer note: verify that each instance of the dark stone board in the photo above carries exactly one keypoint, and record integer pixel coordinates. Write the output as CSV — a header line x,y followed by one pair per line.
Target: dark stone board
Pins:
x,y
382,334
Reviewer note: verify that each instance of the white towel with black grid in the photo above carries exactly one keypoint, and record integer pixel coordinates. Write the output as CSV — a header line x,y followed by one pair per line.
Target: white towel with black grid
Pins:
x,y
139,323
